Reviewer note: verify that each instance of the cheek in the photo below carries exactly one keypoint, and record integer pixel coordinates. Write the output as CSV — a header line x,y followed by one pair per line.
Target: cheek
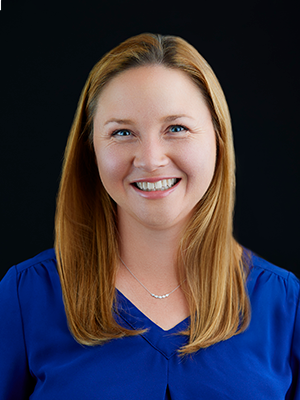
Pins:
x,y
111,166
198,161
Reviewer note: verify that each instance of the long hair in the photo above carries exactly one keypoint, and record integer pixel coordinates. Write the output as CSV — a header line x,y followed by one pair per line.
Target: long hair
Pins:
x,y
85,225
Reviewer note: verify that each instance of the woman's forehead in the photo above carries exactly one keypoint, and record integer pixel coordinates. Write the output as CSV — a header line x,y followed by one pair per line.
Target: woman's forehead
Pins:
x,y
152,89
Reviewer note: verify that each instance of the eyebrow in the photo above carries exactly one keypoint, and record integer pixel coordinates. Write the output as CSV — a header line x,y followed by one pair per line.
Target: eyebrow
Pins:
x,y
173,117
129,121
118,121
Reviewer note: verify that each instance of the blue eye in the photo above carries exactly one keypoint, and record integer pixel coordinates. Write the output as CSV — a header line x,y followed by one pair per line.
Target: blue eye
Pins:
x,y
177,128
122,132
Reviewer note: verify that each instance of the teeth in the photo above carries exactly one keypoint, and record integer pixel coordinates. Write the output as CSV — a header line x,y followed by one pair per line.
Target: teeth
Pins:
x,y
159,185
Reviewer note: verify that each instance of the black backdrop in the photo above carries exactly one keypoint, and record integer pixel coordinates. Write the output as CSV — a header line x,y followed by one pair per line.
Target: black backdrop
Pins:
x,y
47,51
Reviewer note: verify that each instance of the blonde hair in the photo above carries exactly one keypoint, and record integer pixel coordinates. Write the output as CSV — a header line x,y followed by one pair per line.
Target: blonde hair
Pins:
x,y
86,234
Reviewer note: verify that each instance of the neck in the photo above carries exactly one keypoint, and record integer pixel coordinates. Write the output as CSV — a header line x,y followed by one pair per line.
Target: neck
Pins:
x,y
151,254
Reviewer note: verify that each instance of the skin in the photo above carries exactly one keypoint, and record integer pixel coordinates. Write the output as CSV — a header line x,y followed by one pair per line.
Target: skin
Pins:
x,y
152,123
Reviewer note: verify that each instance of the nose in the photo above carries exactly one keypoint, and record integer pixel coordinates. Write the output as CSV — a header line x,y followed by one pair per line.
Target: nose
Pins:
x,y
150,154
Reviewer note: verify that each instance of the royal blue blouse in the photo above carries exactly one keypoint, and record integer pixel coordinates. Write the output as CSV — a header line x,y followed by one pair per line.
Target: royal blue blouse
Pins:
x,y
39,359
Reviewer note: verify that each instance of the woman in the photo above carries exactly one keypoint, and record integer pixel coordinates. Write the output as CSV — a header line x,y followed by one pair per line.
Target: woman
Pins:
x,y
149,294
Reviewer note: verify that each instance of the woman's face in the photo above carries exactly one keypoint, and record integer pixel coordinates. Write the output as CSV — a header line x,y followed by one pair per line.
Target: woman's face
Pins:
x,y
155,145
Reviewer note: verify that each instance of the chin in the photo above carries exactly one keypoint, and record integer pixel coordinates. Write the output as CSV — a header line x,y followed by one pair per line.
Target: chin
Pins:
x,y
162,221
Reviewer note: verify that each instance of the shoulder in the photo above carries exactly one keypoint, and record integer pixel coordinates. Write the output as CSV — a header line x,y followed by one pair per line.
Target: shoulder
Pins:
x,y
32,278
258,263
260,266
45,259
272,283
31,291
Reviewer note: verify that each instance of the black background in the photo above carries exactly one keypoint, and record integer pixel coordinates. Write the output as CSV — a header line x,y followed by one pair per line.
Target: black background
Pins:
x,y
47,51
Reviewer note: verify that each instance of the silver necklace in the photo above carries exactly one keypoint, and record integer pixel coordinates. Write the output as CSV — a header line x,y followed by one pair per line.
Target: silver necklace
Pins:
x,y
163,296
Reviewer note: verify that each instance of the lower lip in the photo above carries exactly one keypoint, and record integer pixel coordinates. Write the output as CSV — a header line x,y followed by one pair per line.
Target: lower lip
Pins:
x,y
156,194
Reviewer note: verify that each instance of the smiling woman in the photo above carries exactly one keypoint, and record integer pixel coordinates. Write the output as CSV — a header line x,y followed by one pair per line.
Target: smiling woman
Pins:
x,y
146,270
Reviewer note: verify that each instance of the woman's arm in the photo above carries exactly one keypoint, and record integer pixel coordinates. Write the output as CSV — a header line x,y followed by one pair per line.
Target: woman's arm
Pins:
x,y
294,392
15,380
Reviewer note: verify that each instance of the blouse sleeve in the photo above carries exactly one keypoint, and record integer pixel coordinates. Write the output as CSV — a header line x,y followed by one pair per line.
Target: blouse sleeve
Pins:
x,y
15,377
294,392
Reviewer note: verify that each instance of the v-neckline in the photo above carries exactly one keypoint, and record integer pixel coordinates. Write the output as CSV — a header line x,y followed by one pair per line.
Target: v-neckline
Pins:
x,y
166,342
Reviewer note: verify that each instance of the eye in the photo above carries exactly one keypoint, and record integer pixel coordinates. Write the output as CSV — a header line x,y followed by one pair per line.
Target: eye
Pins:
x,y
121,132
177,128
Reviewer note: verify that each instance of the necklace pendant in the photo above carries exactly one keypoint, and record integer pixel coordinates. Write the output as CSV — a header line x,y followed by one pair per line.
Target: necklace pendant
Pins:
x,y
160,297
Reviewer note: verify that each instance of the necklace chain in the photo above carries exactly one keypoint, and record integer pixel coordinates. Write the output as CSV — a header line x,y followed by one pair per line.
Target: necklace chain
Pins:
x,y
152,294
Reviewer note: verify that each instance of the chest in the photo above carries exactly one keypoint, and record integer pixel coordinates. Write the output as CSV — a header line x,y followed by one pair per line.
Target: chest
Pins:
x,y
247,366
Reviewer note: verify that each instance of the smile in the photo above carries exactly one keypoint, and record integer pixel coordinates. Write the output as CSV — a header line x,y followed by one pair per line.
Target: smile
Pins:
x,y
164,184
